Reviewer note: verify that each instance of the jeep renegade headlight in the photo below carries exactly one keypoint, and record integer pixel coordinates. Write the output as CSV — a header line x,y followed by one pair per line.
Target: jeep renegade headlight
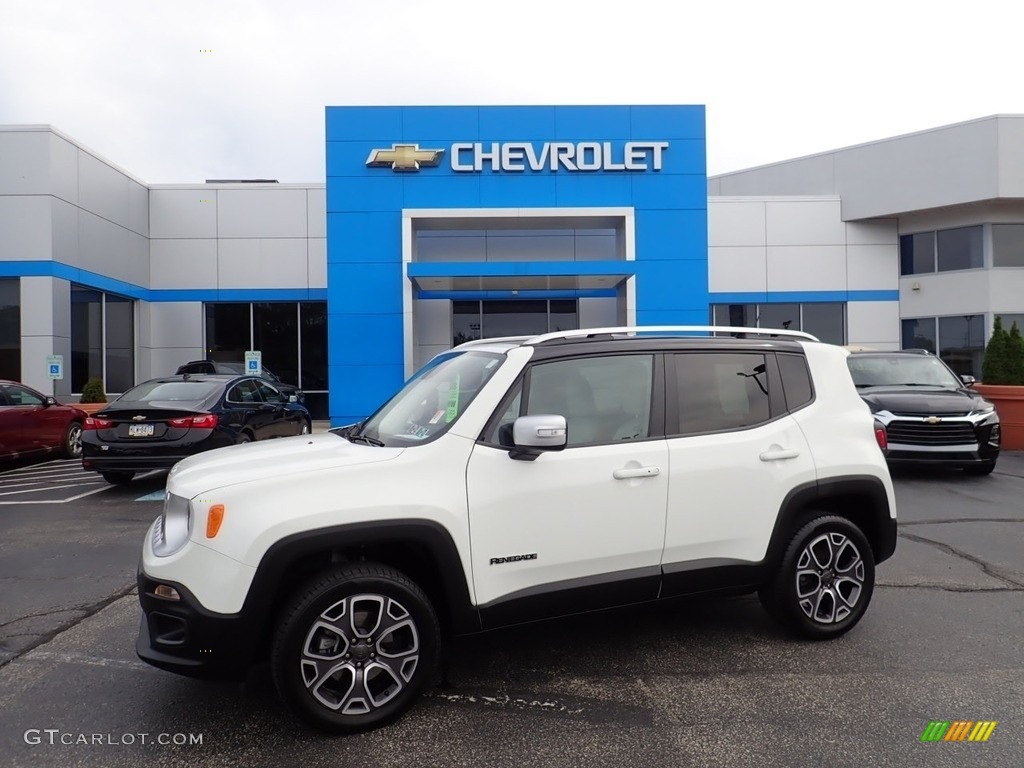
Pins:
x,y
174,527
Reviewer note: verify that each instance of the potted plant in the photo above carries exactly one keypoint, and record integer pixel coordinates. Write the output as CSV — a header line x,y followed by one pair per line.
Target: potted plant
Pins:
x,y
1002,377
93,397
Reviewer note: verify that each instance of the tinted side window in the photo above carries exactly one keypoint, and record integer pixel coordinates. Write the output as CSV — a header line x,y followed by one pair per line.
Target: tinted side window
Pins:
x,y
720,391
245,392
796,381
604,399
21,396
270,395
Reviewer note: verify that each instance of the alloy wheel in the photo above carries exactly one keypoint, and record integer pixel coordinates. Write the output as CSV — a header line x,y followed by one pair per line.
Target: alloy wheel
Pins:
x,y
830,578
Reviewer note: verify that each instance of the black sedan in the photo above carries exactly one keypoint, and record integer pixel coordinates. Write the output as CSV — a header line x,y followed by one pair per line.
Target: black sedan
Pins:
x,y
162,421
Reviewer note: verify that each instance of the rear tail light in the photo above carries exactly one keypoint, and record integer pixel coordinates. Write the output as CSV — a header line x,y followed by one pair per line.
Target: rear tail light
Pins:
x,y
202,421
880,436
95,422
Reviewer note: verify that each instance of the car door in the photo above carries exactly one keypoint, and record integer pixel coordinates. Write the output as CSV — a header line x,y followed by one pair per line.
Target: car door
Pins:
x,y
579,528
247,410
42,427
735,453
284,422
12,434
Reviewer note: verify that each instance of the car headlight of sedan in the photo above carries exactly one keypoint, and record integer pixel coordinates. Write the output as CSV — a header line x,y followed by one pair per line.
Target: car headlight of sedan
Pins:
x,y
174,526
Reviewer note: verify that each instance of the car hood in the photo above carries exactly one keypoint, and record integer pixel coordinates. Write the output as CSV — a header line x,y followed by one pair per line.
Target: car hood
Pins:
x,y
918,400
252,462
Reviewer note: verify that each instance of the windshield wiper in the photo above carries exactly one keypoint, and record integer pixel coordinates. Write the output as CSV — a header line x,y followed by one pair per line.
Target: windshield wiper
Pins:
x,y
366,439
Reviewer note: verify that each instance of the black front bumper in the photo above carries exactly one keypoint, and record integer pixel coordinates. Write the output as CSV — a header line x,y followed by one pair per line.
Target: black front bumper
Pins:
x,y
183,637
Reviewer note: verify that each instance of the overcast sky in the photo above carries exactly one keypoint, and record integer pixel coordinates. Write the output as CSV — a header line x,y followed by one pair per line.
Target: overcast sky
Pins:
x,y
182,91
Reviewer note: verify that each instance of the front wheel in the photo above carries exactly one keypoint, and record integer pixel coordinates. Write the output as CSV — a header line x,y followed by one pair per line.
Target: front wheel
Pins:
x,y
355,647
304,428
825,579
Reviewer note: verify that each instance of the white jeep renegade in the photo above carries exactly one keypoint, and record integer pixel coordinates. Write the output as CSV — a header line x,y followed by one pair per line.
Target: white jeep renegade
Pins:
x,y
519,479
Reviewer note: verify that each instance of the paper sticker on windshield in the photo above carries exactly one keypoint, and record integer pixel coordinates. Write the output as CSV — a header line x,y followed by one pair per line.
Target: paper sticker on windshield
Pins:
x,y
437,417
453,401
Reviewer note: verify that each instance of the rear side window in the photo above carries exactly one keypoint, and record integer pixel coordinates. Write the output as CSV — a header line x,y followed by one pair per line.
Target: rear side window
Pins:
x,y
720,391
796,381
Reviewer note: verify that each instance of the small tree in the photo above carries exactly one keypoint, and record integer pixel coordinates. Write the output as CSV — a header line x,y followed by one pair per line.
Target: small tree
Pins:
x,y
93,392
1015,357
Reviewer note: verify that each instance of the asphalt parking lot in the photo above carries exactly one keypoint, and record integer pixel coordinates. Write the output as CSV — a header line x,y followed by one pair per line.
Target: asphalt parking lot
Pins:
x,y
695,683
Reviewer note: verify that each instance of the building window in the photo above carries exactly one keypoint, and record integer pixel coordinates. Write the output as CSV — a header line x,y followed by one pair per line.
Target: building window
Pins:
x,y
959,249
959,340
292,337
102,339
825,320
10,329
942,251
1008,245
472,320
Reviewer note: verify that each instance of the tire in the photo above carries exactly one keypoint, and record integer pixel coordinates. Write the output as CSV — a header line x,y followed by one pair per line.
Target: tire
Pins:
x,y
72,445
244,438
305,428
328,638
980,470
118,478
824,581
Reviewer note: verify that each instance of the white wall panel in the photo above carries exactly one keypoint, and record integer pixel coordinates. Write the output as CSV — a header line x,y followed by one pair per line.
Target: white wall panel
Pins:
x,y
878,232
177,264
945,293
138,208
189,213
432,320
164,361
873,267
63,169
65,231
317,256
734,269
111,250
734,222
873,324
804,222
1007,290
807,268
177,324
37,306
261,212
24,162
316,212
103,190
24,227
266,263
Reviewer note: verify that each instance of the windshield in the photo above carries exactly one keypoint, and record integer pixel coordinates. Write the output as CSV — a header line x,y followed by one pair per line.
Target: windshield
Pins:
x,y
901,371
432,400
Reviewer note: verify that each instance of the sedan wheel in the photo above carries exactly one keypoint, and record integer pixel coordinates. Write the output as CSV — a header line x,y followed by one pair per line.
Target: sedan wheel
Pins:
x,y
73,440
825,580
304,429
355,648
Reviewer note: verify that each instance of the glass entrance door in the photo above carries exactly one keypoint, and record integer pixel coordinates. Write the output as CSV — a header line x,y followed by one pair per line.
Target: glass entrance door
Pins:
x,y
473,320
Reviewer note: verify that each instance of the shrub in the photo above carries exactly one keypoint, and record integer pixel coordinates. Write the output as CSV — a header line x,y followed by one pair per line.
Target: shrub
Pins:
x,y
93,392
1004,356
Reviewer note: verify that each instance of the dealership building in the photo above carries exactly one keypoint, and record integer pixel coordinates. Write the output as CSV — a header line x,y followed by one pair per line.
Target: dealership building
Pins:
x,y
438,225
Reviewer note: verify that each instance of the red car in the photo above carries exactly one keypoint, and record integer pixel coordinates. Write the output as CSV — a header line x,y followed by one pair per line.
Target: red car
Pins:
x,y
33,424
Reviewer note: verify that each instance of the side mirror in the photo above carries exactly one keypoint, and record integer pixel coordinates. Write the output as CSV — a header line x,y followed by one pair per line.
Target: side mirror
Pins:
x,y
48,402
532,435
969,381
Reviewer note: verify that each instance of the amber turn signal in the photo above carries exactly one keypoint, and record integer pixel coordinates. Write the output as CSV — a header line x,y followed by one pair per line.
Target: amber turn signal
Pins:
x,y
213,520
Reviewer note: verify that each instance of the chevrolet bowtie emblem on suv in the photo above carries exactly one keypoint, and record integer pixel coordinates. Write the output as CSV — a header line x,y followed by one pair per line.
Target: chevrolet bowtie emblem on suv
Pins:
x,y
404,157
933,420
138,418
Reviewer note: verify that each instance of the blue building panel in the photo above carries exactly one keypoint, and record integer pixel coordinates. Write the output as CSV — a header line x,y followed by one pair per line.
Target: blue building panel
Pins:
x,y
649,159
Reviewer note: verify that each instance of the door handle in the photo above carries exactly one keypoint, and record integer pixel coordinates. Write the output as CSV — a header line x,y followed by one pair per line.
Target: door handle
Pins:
x,y
625,474
777,454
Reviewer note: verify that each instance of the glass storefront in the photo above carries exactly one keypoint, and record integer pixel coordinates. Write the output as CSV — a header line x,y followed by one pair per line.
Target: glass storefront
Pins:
x,y
473,320
102,340
292,337
825,320
10,329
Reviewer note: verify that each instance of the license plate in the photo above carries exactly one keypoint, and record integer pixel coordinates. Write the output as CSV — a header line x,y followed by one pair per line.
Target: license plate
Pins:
x,y
140,430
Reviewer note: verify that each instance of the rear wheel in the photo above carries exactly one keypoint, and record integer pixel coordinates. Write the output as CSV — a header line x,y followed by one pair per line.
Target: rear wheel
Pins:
x,y
355,647
118,478
825,579
73,440
245,437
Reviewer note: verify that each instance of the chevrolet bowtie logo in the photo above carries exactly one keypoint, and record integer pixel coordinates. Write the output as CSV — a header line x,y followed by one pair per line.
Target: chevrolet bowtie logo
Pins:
x,y
404,157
